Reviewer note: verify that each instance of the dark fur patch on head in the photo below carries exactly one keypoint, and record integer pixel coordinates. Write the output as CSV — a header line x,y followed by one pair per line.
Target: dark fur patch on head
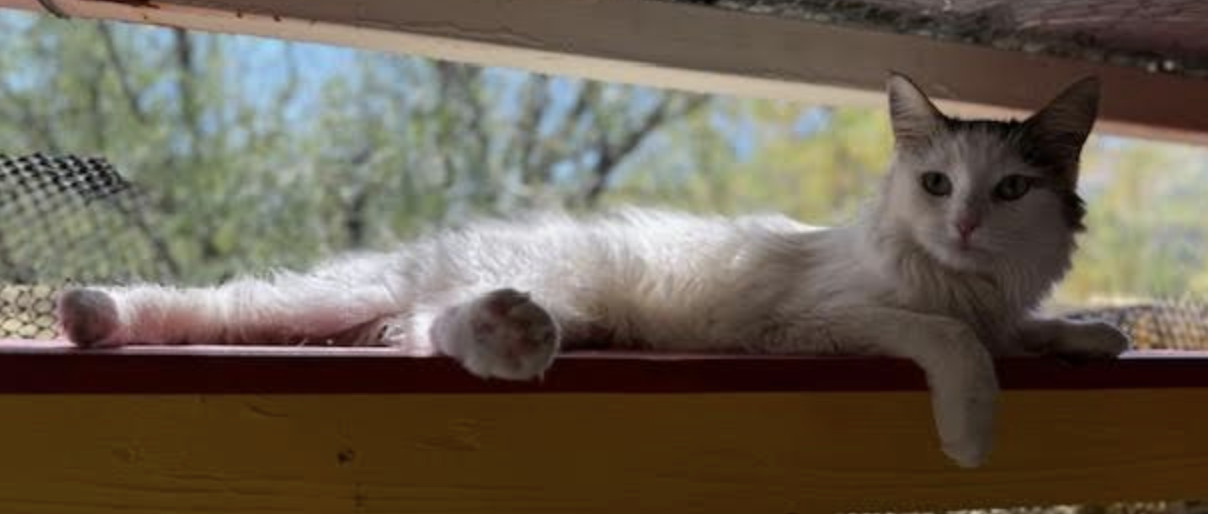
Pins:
x,y
1062,175
1074,209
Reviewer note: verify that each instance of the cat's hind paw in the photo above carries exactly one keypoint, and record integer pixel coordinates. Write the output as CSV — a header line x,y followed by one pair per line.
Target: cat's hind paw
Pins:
x,y
87,317
1091,341
503,334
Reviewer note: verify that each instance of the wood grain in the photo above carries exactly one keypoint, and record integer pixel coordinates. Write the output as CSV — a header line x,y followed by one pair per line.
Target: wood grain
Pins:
x,y
711,453
692,48
146,430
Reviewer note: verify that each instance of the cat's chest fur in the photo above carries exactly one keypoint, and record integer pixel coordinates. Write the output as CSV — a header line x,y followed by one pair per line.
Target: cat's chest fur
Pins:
x,y
982,301
837,269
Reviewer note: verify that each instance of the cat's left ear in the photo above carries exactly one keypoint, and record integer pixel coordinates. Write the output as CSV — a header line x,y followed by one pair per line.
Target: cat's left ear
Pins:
x,y
1055,134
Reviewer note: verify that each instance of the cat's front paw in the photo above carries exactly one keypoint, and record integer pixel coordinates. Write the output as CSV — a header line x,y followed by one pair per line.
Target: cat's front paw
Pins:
x,y
503,334
965,422
87,317
964,395
1091,340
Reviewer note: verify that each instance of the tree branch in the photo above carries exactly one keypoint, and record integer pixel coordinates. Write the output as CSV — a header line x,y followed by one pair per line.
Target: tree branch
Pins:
x,y
612,154
556,147
355,206
132,209
184,87
41,125
123,78
524,140
96,108
459,81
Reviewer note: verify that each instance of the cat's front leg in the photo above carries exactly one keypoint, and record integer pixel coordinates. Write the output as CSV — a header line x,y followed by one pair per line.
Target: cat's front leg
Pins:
x,y
1072,339
959,368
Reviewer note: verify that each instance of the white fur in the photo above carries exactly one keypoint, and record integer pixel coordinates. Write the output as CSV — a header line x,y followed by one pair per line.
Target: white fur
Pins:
x,y
503,296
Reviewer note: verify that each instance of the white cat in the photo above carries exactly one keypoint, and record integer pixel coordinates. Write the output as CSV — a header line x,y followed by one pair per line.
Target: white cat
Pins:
x,y
974,225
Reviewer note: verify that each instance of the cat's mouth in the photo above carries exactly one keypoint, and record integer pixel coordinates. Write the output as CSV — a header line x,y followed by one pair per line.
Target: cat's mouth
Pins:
x,y
958,253
966,245
966,249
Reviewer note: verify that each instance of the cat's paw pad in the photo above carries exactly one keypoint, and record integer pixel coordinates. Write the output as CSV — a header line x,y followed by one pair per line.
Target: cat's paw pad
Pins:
x,y
503,334
87,317
1095,340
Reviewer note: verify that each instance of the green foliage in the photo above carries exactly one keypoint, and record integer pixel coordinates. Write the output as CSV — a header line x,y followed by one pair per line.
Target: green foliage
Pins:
x,y
1148,232
259,152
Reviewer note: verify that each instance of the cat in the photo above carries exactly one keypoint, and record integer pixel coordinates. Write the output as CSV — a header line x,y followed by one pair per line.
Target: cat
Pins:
x,y
973,226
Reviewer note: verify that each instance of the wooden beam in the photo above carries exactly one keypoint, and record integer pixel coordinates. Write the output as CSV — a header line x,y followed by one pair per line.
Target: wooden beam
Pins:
x,y
57,367
688,47
770,453
332,431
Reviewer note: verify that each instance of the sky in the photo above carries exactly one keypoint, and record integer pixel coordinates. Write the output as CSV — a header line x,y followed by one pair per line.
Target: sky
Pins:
x,y
261,65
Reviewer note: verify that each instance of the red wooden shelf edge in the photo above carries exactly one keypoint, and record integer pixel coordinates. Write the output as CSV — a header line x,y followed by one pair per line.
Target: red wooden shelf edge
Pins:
x,y
54,367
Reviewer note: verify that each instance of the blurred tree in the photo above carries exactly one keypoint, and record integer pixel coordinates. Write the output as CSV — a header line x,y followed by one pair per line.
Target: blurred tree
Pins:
x,y
253,157
259,152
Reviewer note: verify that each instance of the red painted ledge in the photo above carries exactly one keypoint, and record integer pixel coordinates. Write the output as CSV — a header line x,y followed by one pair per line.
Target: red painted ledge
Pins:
x,y
56,367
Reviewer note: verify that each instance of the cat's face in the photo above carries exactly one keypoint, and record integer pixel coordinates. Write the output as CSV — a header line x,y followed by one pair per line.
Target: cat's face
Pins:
x,y
979,194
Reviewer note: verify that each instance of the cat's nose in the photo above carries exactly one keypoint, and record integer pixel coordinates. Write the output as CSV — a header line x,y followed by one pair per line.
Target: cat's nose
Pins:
x,y
966,225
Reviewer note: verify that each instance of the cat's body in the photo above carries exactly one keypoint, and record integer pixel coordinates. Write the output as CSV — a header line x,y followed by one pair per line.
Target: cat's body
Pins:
x,y
945,271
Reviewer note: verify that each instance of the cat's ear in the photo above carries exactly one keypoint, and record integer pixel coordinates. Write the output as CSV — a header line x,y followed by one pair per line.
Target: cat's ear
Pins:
x,y
1055,134
914,118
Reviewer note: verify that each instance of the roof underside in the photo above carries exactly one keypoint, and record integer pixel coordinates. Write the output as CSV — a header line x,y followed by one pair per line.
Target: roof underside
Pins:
x,y
1169,36
977,57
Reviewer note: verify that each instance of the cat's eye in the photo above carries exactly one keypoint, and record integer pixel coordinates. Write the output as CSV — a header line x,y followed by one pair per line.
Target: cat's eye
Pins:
x,y
936,183
1012,187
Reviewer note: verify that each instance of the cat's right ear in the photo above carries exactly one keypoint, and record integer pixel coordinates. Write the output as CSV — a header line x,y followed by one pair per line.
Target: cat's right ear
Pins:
x,y
914,118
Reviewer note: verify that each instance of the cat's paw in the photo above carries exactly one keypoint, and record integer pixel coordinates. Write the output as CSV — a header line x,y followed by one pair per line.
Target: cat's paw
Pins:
x,y
1092,340
964,395
965,422
398,333
503,334
87,317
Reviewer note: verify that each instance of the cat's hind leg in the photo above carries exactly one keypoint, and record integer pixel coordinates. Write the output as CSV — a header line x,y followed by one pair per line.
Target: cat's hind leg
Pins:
x,y
288,309
501,334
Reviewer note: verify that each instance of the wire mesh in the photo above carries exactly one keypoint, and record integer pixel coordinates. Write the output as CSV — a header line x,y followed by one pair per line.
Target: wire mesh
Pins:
x,y
63,220
1174,324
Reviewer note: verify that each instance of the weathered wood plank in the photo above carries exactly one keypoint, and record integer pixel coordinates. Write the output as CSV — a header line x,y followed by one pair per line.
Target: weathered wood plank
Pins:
x,y
688,47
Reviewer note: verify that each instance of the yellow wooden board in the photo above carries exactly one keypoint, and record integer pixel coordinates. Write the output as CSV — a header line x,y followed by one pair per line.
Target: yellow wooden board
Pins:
x,y
709,453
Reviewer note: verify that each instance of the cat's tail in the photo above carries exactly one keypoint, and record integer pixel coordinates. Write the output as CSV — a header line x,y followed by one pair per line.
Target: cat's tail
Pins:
x,y
289,309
